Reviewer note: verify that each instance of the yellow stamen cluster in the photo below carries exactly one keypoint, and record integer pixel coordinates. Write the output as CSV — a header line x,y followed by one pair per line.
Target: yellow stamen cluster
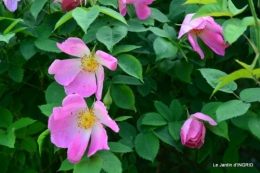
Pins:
x,y
88,63
86,119
197,31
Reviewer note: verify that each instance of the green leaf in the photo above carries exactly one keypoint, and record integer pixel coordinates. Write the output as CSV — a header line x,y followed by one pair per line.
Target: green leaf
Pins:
x,y
16,73
47,109
164,110
242,121
36,7
55,93
35,128
67,16
22,122
200,1
21,157
205,150
170,31
165,136
210,108
29,144
233,32
232,8
7,138
254,126
147,145
212,10
110,163
176,109
231,109
123,96
221,129
122,118
124,48
92,165
175,129
112,13
4,162
47,45
66,165
159,32
212,75
183,75
6,118
153,119
28,49
123,79
111,36
135,26
250,94
127,130
117,147
13,24
85,18
231,155
6,37
159,16
164,48
130,65
41,138
112,3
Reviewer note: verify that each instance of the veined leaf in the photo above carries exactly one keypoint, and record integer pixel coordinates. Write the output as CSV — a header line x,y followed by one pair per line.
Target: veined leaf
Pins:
x,y
63,19
232,8
200,1
112,13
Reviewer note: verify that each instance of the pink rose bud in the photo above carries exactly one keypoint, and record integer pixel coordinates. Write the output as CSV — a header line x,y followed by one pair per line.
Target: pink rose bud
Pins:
x,y
193,130
208,30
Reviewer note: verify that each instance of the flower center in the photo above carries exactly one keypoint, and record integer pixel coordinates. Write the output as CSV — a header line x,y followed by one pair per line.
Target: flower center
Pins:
x,y
88,63
86,119
197,31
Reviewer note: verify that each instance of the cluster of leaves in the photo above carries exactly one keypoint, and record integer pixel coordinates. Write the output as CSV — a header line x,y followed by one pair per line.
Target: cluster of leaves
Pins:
x,y
159,77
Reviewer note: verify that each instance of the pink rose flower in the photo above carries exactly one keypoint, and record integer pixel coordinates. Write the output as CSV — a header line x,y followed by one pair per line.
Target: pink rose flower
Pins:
x,y
11,5
84,75
68,5
208,30
193,130
141,7
72,125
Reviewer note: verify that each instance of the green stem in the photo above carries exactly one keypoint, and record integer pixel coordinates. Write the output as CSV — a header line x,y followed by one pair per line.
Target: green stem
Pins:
x,y
252,8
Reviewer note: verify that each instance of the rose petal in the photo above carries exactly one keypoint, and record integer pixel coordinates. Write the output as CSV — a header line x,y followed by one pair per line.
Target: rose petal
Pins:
x,y
102,114
11,5
65,70
100,79
122,7
193,41
84,84
204,117
194,130
106,60
98,139
184,130
74,46
142,10
78,146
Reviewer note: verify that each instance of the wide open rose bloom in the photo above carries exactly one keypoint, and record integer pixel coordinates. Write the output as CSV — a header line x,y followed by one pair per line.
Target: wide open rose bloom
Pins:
x,y
208,30
72,125
193,130
84,75
141,7
11,5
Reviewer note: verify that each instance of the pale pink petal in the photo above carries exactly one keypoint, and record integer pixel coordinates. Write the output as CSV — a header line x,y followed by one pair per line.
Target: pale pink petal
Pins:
x,y
204,117
106,60
63,131
74,46
194,129
11,5
103,117
100,79
84,84
214,41
98,139
78,146
65,70
74,100
193,41
130,1
142,10
122,7
188,24
213,26
201,141
185,129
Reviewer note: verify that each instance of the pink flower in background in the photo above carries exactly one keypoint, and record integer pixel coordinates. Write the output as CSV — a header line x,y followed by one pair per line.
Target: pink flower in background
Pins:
x,y
84,75
11,5
68,5
208,30
141,7
193,130
72,125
